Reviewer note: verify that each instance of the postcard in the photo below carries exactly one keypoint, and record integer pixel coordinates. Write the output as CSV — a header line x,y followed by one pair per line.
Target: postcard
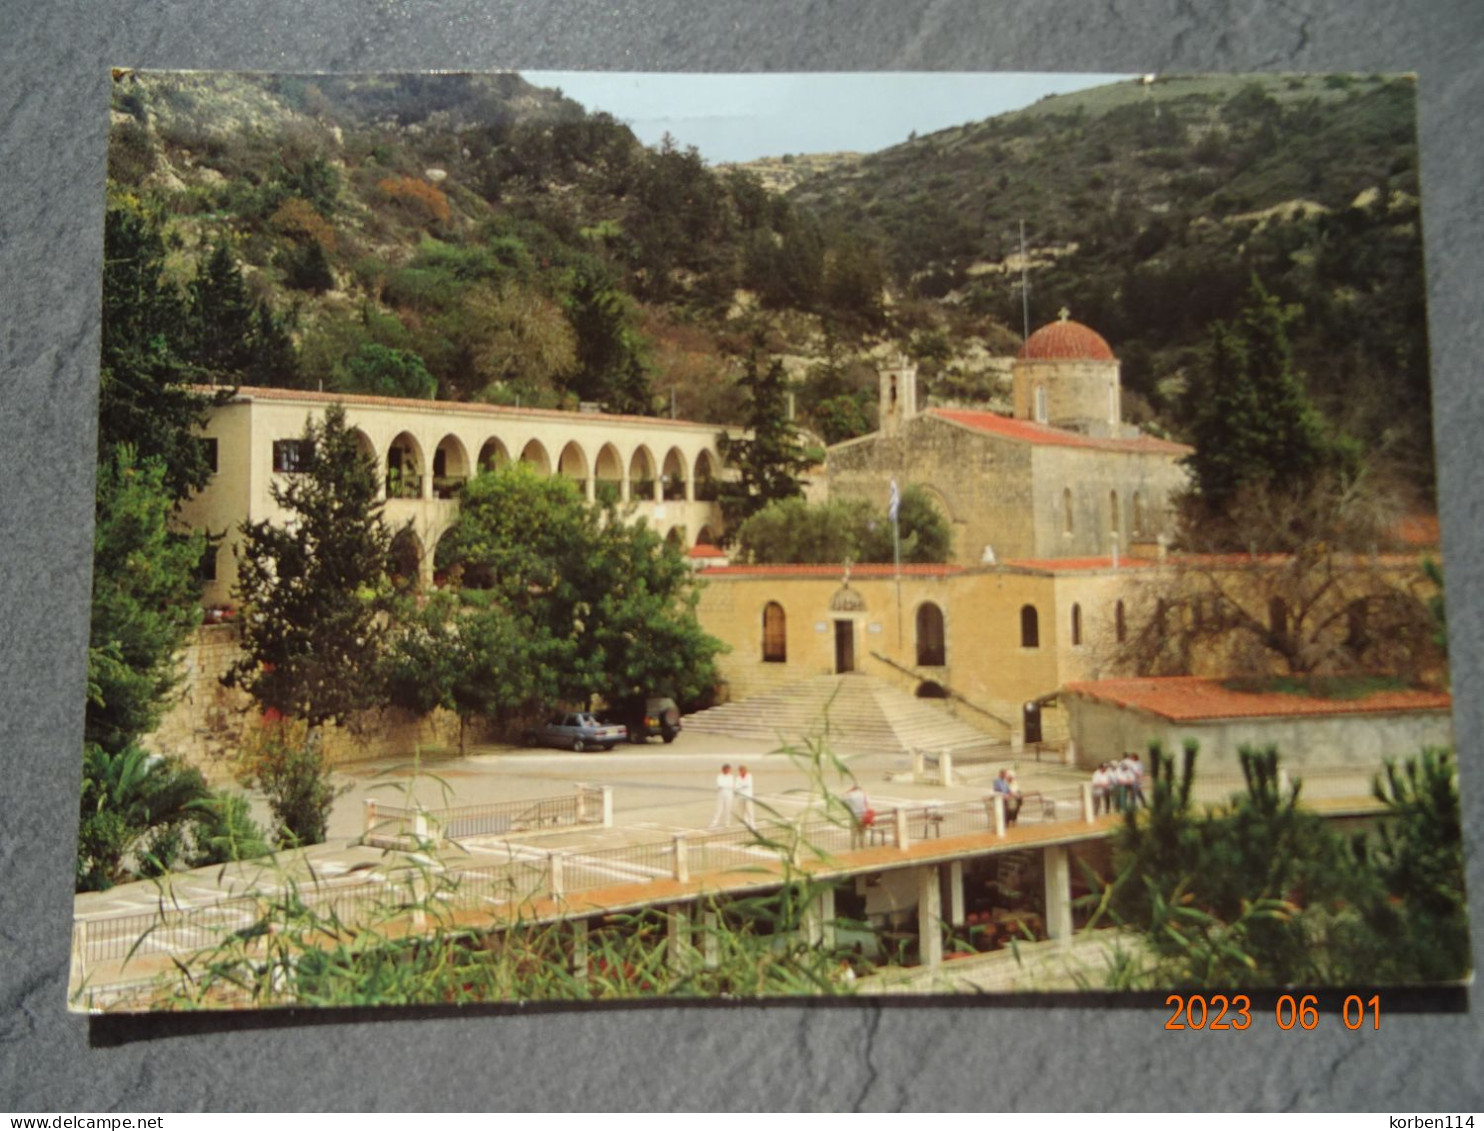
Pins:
x,y
586,537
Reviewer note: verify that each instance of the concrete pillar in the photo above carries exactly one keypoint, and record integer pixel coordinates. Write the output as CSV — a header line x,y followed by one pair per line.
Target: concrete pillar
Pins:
x,y
899,816
929,916
579,948
420,827
682,862
677,936
1058,872
1087,813
710,943
997,801
607,806
556,883
819,919
956,893
945,767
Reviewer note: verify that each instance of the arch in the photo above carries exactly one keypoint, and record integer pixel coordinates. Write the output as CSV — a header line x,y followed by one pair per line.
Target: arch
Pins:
x,y
1120,622
1030,627
493,454
704,477
775,634
643,479
405,558
1076,625
672,476
931,650
927,689
450,467
608,473
1066,510
534,453
706,537
572,464
676,536
404,468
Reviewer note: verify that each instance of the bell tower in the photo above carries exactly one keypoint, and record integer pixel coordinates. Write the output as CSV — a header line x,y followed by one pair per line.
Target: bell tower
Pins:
x,y
898,395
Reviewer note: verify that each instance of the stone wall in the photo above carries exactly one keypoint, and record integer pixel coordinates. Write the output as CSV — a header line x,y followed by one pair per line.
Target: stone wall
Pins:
x,y
206,725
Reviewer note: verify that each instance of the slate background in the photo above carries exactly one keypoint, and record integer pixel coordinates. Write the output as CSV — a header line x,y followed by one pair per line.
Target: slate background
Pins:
x,y
1029,1054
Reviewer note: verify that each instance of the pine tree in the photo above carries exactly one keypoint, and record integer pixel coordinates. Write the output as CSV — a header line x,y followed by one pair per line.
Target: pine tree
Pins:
x,y
221,317
313,588
770,460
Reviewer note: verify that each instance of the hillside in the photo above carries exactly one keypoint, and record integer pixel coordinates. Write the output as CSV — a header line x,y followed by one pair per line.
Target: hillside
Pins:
x,y
477,237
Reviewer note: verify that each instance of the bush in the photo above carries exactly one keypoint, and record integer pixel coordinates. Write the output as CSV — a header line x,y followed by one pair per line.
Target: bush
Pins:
x,y
286,761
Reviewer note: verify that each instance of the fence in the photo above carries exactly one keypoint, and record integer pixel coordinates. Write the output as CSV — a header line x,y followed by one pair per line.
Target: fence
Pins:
x,y
529,873
394,826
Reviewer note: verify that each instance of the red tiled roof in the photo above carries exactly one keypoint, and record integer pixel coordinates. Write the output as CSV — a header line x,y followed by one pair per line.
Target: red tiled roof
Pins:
x,y
701,550
1189,698
1077,565
857,570
1066,341
363,400
1029,432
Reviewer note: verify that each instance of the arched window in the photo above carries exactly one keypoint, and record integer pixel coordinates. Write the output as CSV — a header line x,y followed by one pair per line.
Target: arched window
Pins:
x,y
1076,625
1120,623
1041,403
1138,527
1066,510
1113,510
1030,627
930,651
1357,636
775,634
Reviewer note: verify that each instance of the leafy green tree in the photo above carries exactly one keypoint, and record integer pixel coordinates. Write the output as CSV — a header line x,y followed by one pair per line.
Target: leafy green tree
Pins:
x,y
574,603
769,458
383,372
222,316
285,760
313,589
145,600
793,531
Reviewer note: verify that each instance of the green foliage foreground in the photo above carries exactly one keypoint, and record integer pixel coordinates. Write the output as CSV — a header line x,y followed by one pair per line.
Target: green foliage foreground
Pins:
x,y
1260,892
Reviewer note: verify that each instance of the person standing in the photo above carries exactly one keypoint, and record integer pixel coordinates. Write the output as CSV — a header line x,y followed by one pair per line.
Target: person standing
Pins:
x,y
1100,786
742,790
726,789
862,816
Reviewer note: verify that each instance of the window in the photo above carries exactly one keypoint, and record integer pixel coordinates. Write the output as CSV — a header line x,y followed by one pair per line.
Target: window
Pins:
x,y
292,455
1138,527
1356,615
1076,625
1113,510
1120,623
1041,403
208,451
1278,618
1030,627
206,567
775,634
930,650
1066,510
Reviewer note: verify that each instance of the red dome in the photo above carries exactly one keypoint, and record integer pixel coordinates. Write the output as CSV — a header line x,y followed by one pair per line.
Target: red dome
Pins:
x,y
1065,340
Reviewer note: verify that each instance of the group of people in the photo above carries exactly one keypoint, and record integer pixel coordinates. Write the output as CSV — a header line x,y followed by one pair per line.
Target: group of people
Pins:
x,y
1006,787
733,796
1118,786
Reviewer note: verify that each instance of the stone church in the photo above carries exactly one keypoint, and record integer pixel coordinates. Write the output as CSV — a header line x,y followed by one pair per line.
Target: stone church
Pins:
x,y
1064,477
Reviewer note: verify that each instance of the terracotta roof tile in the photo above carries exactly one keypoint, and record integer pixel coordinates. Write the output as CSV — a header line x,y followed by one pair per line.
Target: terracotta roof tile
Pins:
x,y
1066,341
1189,698
362,400
858,570
1029,432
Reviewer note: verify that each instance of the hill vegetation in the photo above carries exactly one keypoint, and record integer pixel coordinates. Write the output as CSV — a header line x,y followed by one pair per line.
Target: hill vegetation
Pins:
x,y
476,237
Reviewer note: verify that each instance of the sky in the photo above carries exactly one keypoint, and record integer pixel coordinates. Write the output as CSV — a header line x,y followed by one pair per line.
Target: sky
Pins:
x,y
743,117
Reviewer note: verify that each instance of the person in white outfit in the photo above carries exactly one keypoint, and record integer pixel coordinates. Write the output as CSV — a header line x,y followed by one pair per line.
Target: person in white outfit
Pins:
x,y
743,792
726,789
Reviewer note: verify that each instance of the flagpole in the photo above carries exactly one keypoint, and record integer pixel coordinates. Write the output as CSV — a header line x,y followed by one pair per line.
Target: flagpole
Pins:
x,y
896,554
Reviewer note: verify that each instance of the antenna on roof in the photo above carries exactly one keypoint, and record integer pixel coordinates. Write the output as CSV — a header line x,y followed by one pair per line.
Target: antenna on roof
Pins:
x,y
1025,286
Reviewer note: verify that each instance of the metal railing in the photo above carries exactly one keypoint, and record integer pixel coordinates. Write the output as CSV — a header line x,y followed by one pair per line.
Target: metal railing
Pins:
x,y
392,824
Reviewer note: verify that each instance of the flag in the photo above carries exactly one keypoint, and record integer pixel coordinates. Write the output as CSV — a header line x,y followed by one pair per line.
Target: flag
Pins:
x,y
896,502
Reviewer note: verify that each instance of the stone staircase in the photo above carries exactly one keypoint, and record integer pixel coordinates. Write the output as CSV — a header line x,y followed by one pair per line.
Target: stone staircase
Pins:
x,y
856,713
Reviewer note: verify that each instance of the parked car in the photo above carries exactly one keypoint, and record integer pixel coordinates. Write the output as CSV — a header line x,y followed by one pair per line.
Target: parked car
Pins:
x,y
656,715
578,730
